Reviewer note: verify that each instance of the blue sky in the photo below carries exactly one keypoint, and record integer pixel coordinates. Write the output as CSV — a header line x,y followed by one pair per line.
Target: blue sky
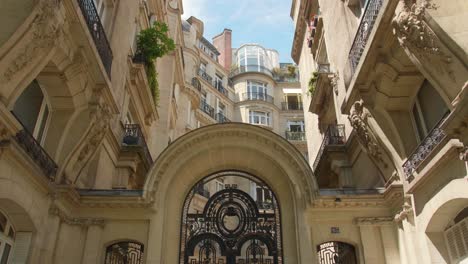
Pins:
x,y
266,22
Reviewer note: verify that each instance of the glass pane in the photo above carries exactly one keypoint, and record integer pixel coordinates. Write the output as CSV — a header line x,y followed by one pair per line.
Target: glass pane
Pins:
x,y
3,221
432,105
43,124
5,254
28,105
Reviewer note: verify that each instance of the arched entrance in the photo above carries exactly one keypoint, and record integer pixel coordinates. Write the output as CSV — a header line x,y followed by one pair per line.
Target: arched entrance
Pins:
x,y
226,148
231,217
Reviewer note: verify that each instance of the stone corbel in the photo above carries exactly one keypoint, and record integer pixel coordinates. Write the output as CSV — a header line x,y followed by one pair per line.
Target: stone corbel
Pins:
x,y
80,221
405,213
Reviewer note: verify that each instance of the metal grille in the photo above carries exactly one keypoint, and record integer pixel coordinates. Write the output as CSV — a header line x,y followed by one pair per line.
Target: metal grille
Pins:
x,y
96,29
125,252
364,30
335,135
133,138
336,253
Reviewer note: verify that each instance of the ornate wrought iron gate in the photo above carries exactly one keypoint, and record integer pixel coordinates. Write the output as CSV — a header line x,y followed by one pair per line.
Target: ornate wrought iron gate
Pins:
x,y
231,230
336,253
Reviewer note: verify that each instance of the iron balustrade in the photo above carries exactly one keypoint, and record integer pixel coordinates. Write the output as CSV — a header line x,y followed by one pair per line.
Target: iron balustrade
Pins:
x,y
424,149
205,107
205,75
258,96
196,83
221,118
219,86
335,135
295,136
251,68
91,16
365,28
37,153
133,137
291,106
264,205
201,190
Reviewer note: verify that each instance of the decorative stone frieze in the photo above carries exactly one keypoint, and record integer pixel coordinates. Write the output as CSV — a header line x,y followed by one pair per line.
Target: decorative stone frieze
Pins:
x,y
358,117
373,221
80,221
45,28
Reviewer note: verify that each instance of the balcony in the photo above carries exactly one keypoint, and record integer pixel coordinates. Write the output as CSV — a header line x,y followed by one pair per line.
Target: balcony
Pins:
x,y
295,136
220,118
196,83
291,106
219,86
205,76
286,79
200,190
207,109
251,68
362,36
96,30
257,97
322,89
37,154
335,135
133,140
423,152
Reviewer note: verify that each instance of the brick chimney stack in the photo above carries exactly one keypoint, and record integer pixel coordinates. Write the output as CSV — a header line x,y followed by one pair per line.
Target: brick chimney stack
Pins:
x,y
223,43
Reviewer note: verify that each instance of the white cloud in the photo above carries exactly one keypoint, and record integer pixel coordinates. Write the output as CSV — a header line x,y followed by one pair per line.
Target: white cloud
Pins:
x,y
196,8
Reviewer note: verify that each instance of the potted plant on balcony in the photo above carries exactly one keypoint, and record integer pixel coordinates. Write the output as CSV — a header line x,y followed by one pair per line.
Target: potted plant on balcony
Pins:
x,y
312,82
153,43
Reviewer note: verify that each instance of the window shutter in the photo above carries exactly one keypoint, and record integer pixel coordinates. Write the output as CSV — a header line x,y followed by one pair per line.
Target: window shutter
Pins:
x,y
21,247
456,238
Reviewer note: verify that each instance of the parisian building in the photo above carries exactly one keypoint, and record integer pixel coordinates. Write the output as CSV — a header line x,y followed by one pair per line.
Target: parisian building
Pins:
x,y
354,153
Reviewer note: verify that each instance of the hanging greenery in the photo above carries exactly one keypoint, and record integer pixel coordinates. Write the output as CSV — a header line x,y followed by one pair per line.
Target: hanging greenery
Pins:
x,y
154,43
292,71
312,82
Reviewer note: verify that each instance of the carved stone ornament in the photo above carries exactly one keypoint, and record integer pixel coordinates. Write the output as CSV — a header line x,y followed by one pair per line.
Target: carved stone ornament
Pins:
x,y
45,29
405,212
334,82
358,119
464,154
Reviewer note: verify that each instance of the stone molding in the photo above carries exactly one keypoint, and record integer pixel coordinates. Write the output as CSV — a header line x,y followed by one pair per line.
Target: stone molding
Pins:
x,y
358,117
80,221
374,221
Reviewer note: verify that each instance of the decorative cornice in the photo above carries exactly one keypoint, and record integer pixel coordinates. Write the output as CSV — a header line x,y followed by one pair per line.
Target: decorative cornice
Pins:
x,y
54,210
375,221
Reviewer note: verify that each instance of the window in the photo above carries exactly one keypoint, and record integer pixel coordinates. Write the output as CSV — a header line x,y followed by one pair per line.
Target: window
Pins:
x,y
32,111
221,108
256,90
456,238
124,252
7,239
219,185
428,109
296,126
259,118
218,81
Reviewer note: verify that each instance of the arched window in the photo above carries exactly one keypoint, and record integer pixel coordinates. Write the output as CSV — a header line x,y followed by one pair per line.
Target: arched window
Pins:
x,y
32,111
7,239
124,252
456,238
336,253
428,109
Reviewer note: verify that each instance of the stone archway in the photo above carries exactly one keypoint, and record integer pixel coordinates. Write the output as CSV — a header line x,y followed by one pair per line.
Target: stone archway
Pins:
x,y
232,146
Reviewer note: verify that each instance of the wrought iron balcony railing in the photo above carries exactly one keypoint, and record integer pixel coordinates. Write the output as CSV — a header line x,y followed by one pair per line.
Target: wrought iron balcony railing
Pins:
x,y
133,138
295,136
286,79
291,106
251,68
205,75
96,30
196,83
200,190
365,28
205,107
37,153
258,96
265,205
424,149
335,135
221,118
219,86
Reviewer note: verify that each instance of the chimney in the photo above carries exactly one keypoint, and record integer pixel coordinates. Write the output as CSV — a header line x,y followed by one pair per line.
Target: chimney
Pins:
x,y
223,43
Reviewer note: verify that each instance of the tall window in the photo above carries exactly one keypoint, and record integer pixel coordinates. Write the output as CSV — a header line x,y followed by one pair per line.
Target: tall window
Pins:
x,y
253,58
124,252
259,118
203,67
256,90
7,239
456,238
428,109
218,81
32,111
296,126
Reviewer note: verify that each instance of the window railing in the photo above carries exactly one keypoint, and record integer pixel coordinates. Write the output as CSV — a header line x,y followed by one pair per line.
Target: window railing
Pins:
x,y
286,79
295,136
251,68
423,150
219,86
196,83
205,75
96,30
258,96
37,153
133,137
265,205
221,118
335,135
365,28
205,107
291,106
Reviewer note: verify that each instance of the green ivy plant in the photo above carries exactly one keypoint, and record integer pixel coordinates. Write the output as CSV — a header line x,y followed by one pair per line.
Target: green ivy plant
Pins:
x,y
153,43
312,82
292,71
